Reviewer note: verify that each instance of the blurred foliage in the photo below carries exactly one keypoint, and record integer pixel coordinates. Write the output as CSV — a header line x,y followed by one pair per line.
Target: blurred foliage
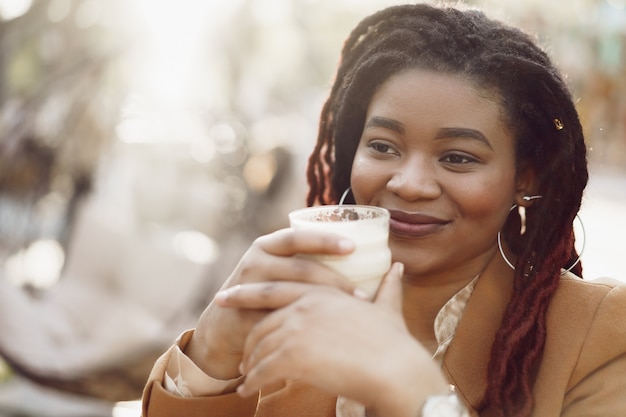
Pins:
x,y
5,371
59,104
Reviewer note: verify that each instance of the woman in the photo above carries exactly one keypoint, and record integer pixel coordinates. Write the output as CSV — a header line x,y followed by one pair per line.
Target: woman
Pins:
x,y
455,123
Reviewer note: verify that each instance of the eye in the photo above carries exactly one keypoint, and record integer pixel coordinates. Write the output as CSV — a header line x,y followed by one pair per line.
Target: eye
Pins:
x,y
381,148
458,159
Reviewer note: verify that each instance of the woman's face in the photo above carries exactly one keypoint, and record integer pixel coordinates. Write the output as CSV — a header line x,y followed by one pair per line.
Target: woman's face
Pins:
x,y
435,153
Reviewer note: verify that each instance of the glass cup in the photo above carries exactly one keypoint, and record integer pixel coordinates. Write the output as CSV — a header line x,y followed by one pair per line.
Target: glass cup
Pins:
x,y
366,226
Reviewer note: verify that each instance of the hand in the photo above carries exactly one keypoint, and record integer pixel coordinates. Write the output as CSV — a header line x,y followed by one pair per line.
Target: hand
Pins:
x,y
217,344
338,343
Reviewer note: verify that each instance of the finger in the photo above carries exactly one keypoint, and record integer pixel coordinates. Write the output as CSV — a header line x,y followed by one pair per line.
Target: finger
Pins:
x,y
279,268
307,271
254,352
288,242
390,291
266,372
268,295
264,338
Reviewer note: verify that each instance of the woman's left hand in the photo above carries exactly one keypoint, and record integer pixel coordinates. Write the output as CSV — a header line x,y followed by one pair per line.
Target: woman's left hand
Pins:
x,y
336,342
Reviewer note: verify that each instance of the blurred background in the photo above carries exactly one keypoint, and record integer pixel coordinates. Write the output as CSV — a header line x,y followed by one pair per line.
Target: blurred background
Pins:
x,y
145,143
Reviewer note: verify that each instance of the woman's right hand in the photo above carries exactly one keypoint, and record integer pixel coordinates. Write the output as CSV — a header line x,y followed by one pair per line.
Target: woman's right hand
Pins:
x,y
218,341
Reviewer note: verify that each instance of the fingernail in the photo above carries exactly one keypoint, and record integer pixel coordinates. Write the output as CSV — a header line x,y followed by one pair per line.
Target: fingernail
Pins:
x,y
241,390
359,293
241,370
346,245
399,268
224,294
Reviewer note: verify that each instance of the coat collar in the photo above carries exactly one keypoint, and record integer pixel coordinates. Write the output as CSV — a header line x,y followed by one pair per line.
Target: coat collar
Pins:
x,y
467,358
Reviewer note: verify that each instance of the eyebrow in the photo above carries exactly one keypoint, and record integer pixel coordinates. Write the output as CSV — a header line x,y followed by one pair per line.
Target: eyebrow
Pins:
x,y
378,121
443,133
461,132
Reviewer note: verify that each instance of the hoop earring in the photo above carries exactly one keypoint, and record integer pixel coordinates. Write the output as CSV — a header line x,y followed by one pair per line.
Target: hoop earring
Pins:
x,y
344,195
582,227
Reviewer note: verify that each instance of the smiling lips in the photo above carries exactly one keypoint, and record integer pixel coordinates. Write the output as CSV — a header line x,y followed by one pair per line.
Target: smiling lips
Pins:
x,y
414,225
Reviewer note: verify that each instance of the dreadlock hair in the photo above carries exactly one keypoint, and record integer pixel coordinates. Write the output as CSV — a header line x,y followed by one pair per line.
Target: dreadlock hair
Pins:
x,y
539,111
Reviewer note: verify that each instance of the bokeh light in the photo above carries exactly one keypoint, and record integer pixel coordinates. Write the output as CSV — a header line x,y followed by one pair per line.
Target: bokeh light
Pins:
x,y
38,265
11,9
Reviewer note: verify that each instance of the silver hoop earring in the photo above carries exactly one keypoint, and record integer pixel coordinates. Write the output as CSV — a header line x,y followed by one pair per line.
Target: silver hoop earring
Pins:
x,y
582,228
528,198
344,195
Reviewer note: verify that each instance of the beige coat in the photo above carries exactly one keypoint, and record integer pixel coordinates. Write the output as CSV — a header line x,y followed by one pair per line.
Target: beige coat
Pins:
x,y
582,374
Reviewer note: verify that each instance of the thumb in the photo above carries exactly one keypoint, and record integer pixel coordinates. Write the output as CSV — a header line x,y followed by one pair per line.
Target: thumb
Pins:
x,y
390,291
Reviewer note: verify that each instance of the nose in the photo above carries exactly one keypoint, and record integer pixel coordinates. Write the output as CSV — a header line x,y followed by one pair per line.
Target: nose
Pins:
x,y
415,179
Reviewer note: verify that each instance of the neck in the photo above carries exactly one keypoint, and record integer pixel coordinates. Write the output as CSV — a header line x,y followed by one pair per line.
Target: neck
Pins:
x,y
421,305
423,298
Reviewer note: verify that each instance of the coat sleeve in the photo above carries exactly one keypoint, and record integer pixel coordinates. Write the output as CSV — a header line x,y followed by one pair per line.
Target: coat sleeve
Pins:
x,y
285,399
157,402
598,383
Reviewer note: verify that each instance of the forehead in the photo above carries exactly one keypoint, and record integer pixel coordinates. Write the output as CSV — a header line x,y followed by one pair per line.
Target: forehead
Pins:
x,y
439,91
435,100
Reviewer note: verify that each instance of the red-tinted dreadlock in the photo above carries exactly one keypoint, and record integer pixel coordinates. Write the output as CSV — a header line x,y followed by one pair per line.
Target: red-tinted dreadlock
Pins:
x,y
535,102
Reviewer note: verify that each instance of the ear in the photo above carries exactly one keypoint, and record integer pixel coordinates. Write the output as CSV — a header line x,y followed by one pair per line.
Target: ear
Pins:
x,y
526,185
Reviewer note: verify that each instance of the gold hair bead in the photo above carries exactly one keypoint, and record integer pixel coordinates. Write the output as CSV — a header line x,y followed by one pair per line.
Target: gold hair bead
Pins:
x,y
558,124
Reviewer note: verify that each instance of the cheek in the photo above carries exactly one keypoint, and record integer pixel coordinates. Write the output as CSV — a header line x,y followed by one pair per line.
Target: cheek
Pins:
x,y
365,179
487,201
